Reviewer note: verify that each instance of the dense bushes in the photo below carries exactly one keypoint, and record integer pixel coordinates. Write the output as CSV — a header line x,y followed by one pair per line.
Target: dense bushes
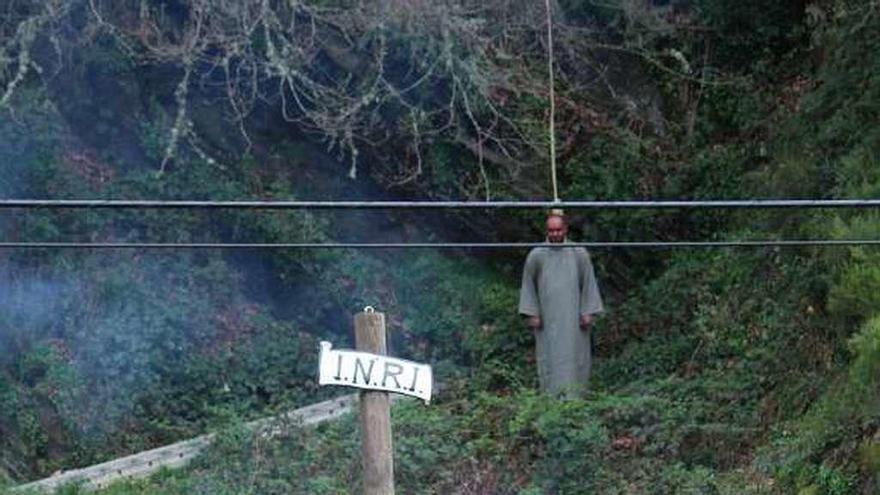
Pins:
x,y
831,447
725,371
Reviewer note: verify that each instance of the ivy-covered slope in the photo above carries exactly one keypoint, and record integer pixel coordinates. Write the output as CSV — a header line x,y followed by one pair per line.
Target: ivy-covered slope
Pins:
x,y
723,371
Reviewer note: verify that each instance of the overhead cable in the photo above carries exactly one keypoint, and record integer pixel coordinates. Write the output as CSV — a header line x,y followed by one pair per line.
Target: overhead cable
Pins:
x,y
289,205
438,245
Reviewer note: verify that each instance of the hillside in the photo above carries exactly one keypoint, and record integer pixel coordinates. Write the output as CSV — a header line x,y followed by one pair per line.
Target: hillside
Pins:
x,y
718,371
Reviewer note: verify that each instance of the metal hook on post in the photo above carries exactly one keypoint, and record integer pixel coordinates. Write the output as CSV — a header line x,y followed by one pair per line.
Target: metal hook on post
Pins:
x,y
369,309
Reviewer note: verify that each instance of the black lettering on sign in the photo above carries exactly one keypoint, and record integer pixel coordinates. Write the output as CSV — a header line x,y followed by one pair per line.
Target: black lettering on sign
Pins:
x,y
339,367
365,373
412,387
398,370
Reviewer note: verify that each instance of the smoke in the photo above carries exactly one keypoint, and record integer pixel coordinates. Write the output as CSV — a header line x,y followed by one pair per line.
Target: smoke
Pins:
x,y
94,334
144,343
29,305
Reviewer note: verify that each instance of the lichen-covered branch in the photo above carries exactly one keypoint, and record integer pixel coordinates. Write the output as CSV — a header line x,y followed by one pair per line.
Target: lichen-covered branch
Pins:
x,y
354,75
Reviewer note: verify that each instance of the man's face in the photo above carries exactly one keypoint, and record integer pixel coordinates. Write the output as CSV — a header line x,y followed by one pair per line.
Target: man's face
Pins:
x,y
556,229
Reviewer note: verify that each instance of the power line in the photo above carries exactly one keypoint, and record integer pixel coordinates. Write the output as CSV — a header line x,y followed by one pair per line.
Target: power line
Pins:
x,y
437,245
287,205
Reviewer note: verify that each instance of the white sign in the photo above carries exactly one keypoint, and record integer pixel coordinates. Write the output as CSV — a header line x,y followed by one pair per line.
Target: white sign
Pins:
x,y
374,372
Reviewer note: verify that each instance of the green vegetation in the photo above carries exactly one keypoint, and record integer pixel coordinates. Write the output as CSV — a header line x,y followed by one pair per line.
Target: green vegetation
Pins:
x,y
751,371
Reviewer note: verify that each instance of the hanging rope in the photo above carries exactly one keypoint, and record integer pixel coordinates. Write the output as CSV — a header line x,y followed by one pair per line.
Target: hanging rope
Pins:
x,y
552,124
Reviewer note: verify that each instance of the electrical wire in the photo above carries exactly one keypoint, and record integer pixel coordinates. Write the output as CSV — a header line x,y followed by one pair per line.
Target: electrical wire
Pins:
x,y
319,205
288,205
439,245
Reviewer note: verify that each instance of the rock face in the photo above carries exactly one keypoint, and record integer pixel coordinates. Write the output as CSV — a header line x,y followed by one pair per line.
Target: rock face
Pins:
x,y
98,94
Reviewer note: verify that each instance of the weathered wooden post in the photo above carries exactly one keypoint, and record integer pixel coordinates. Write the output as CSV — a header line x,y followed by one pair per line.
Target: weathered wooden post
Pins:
x,y
376,374
375,410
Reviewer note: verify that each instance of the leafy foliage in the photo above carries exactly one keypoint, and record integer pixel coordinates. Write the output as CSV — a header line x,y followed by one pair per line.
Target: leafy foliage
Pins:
x,y
751,371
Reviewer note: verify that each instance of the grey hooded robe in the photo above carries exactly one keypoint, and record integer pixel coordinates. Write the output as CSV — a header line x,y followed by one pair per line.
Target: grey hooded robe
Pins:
x,y
559,285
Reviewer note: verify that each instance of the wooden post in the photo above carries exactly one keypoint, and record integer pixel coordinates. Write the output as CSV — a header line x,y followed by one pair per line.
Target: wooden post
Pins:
x,y
375,411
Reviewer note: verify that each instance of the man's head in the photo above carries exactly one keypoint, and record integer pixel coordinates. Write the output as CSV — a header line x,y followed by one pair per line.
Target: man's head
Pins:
x,y
557,229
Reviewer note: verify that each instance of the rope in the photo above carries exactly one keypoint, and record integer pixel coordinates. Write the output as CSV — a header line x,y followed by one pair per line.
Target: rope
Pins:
x,y
439,245
552,123
288,205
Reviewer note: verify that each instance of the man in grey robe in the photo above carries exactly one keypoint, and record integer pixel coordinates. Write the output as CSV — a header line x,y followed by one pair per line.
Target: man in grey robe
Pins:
x,y
559,298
